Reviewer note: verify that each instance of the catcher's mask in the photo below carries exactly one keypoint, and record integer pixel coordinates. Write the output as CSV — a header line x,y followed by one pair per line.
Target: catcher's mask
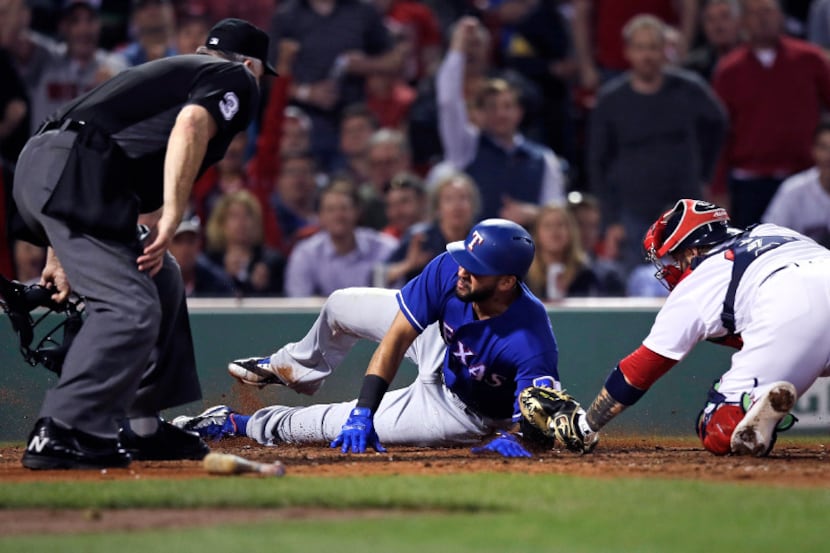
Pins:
x,y
19,300
689,224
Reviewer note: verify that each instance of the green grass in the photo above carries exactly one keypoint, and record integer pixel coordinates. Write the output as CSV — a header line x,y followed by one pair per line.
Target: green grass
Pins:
x,y
462,513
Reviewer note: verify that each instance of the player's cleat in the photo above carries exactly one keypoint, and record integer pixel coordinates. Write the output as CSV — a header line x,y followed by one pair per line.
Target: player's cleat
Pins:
x,y
51,446
755,434
214,423
254,371
168,443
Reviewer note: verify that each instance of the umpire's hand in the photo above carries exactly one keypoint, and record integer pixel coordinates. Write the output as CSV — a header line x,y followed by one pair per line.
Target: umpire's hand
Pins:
x,y
152,258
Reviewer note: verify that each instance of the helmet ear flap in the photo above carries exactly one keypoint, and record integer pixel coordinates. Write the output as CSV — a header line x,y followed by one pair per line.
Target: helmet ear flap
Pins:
x,y
653,241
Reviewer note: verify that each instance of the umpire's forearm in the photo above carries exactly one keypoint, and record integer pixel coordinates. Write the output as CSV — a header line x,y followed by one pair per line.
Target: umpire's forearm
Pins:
x,y
185,153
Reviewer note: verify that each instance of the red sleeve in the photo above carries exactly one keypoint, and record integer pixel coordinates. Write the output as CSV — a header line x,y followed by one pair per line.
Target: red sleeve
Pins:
x,y
266,164
643,367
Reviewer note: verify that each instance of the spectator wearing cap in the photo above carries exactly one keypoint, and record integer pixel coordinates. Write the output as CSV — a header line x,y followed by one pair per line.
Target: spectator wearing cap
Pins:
x,y
79,67
341,42
202,278
153,24
404,197
515,175
341,254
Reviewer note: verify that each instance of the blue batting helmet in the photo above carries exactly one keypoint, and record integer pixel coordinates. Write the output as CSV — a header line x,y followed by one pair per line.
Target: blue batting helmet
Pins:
x,y
494,247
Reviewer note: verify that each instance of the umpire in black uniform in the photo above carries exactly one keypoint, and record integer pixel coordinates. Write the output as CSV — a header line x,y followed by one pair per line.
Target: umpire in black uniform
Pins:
x,y
126,153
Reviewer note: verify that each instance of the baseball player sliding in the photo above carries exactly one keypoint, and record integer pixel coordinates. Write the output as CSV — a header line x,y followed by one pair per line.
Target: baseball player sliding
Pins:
x,y
764,290
475,331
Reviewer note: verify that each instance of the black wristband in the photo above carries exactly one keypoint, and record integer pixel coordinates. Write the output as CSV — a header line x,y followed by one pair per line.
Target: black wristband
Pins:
x,y
371,392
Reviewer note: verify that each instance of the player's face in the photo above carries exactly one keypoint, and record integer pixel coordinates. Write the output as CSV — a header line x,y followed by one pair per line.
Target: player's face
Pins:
x,y
471,288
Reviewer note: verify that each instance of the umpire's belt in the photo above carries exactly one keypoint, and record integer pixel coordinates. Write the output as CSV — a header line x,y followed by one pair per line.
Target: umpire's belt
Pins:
x,y
65,125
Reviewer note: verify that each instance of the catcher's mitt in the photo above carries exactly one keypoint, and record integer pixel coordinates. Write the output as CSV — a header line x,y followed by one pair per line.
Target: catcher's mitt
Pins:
x,y
552,416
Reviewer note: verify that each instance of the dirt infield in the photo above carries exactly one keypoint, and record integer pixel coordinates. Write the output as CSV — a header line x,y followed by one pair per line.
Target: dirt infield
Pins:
x,y
794,463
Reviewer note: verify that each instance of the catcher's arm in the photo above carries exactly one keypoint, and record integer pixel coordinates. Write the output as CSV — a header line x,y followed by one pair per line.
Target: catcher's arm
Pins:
x,y
626,384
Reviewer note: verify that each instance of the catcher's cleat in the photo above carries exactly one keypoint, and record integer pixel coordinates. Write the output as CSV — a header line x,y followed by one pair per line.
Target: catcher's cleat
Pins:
x,y
214,423
254,371
755,434
51,446
168,443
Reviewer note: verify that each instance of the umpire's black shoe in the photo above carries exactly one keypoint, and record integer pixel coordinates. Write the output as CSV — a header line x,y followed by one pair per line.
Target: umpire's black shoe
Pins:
x,y
53,447
168,443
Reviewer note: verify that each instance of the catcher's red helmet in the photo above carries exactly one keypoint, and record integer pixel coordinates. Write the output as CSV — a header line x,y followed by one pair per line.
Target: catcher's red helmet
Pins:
x,y
688,224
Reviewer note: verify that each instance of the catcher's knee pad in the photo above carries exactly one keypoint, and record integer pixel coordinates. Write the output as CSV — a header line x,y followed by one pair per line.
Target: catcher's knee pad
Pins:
x,y
716,424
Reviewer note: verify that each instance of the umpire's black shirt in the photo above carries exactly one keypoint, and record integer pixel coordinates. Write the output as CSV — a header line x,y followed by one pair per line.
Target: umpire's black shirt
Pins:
x,y
116,168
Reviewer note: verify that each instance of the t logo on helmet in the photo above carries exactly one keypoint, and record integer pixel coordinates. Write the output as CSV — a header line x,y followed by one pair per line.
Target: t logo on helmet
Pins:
x,y
475,240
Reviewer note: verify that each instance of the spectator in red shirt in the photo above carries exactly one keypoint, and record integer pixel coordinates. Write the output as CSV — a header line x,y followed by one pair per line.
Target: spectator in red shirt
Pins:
x,y
774,89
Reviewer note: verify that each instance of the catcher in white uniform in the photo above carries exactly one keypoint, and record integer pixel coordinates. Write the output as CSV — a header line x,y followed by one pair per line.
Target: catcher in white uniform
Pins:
x,y
764,290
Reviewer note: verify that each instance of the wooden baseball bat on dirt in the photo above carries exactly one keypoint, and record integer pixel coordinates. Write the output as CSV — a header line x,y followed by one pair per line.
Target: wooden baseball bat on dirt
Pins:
x,y
226,463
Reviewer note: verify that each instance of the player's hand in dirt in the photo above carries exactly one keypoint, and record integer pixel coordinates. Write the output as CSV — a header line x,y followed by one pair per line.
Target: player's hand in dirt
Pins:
x,y
358,433
506,445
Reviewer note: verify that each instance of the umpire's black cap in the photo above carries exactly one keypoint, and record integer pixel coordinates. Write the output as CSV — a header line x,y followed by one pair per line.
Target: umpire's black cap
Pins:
x,y
240,37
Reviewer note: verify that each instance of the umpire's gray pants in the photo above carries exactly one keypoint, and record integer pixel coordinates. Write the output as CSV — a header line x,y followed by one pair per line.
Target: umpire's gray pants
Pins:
x,y
134,353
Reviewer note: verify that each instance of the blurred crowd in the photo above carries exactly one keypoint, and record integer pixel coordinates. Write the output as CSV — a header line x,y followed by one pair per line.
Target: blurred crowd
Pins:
x,y
396,125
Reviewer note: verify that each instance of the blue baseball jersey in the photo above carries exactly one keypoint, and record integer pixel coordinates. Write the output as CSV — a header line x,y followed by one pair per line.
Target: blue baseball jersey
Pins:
x,y
487,362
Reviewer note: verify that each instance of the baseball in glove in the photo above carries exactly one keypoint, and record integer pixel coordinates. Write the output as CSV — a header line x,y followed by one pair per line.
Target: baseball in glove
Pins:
x,y
553,417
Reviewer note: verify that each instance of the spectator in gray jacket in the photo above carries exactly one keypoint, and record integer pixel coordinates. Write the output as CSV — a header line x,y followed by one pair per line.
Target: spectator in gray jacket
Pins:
x,y
655,135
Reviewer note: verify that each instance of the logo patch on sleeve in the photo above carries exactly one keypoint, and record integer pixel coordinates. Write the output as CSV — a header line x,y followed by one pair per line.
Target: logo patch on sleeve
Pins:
x,y
229,105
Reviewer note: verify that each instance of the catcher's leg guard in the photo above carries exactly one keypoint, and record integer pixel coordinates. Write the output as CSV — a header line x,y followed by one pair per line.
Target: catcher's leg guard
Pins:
x,y
716,424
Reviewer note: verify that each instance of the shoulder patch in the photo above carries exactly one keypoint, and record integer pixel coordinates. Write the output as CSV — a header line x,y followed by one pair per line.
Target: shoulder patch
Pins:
x,y
229,105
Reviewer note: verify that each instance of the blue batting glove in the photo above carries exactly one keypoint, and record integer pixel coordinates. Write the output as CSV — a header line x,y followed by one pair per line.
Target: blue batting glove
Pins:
x,y
506,445
358,432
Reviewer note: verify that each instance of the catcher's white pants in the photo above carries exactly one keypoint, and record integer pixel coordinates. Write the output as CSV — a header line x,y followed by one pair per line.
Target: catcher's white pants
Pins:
x,y
787,334
423,413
